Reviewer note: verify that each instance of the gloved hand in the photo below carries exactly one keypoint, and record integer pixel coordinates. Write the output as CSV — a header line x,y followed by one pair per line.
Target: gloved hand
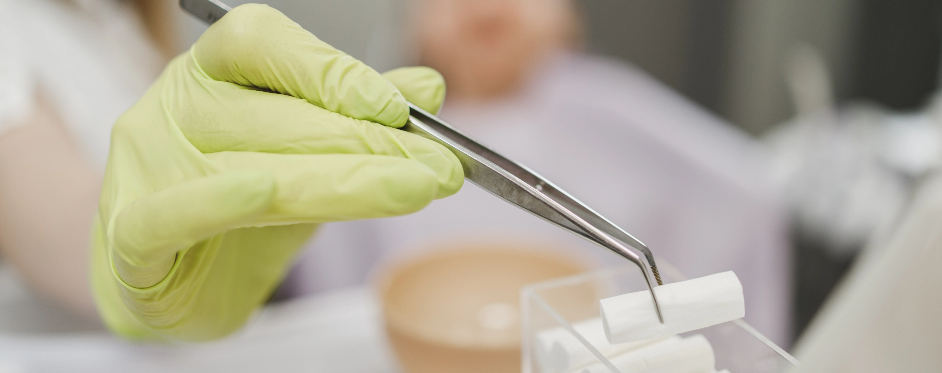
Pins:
x,y
230,160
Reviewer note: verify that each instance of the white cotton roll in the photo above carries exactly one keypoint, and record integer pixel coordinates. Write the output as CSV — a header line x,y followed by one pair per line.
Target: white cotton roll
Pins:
x,y
687,355
686,305
558,351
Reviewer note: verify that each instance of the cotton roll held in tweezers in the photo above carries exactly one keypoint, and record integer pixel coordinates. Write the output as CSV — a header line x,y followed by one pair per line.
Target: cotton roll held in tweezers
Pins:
x,y
687,355
686,305
558,351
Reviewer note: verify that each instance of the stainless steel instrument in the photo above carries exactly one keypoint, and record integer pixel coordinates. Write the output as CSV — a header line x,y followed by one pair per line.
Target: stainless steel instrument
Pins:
x,y
506,179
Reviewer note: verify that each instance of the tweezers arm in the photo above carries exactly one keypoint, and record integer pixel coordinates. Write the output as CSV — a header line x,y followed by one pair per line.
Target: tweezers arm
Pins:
x,y
489,178
525,189
208,11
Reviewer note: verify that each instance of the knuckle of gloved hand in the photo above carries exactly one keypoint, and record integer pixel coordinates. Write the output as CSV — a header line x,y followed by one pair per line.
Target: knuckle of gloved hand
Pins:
x,y
126,125
248,28
122,127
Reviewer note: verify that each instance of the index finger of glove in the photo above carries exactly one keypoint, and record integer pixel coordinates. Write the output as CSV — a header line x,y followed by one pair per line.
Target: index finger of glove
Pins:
x,y
251,121
255,45
335,187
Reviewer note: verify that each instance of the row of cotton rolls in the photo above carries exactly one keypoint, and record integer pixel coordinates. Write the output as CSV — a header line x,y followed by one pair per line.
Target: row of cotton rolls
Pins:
x,y
630,336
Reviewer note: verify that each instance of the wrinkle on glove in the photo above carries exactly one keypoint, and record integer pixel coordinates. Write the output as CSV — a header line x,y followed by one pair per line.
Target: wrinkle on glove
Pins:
x,y
231,160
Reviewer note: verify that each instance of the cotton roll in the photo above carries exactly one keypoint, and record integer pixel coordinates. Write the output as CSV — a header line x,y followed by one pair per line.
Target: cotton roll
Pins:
x,y
558,351
686,305
687,355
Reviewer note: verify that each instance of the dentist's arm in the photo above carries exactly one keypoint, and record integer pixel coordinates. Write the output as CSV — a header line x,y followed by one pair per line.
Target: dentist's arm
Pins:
x,y
48,197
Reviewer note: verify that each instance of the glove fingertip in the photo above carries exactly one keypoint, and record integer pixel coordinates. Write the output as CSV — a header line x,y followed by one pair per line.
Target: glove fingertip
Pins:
x,y
395,113
450,180
420,85
449,174
420,188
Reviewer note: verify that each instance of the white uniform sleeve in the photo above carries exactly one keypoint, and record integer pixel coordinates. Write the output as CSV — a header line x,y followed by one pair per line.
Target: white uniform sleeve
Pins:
x,y
17,88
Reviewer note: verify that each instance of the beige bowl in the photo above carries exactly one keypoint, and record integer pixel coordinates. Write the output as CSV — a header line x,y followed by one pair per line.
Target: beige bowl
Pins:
x,y
458,310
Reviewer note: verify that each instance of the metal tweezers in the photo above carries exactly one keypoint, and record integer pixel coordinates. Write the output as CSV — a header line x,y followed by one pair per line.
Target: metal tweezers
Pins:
x,y
504,178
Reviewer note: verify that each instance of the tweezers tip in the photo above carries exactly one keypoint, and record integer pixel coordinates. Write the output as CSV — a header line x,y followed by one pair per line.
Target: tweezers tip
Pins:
x,y
657,275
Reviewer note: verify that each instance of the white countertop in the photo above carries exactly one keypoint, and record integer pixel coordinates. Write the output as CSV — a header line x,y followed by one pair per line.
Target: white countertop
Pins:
x,y
334,332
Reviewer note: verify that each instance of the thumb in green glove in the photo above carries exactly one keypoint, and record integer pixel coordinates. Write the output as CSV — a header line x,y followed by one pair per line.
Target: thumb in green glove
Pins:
x,y
233,157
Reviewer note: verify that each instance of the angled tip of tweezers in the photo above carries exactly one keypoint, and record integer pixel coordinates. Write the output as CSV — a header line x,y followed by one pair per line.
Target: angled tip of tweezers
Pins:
x,y
657,275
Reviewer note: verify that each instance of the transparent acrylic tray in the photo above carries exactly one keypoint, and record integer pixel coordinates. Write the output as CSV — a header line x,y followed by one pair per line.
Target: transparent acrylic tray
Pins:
x,y
560,303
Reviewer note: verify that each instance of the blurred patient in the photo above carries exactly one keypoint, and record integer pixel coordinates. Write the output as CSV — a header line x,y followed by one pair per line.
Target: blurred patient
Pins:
x,y
69,68
683,181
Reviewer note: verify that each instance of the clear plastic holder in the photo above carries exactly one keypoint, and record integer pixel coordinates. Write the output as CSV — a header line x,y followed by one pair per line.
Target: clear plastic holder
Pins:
x,y
563,302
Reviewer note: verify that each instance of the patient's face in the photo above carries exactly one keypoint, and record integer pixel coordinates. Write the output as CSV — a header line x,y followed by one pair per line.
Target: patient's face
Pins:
x,y
485,47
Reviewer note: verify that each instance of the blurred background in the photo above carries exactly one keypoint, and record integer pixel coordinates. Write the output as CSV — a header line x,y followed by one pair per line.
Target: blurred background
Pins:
x,y
837,101
743,61
728,56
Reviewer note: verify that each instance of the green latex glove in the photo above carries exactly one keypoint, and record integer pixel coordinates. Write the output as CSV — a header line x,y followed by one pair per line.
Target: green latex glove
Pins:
x,y
230,160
